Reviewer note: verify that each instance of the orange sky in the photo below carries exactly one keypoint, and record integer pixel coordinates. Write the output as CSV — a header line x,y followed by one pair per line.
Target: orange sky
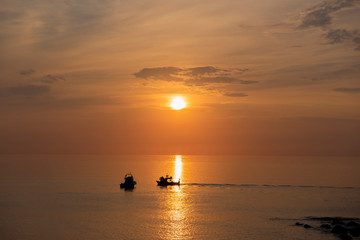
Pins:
x,y
259,77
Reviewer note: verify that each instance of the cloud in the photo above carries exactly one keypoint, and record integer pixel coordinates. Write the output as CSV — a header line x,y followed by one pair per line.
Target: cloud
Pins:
x,y
78,102
317,18
356,40
160,73
235,94
202,70
336,36
247,82
220,80
51,78
29,90
347,90
25,90
209,78
27,72
60,25
241,69
339,35
8,16
198,76
321,15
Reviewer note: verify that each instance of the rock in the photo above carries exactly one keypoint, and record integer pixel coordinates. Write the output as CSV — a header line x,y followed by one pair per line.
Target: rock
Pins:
x,y
342,227
355,232
352,224
340,230
337,221
307,226
325,226
326,219
344,237
329,219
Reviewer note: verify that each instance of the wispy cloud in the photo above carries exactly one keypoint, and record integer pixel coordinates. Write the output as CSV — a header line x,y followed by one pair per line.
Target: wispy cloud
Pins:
x,y
194,76
25,90
356,40
27,72
57,25
52,78
339,35
6,16
160,73
198,77
347,90
335,36
235,94
201,70
321,15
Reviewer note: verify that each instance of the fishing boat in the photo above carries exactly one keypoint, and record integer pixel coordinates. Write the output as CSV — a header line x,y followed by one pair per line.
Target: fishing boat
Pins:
x,y
129,182
167,181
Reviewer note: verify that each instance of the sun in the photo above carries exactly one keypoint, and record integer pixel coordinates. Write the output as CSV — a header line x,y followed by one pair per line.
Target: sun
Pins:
x,y
178,103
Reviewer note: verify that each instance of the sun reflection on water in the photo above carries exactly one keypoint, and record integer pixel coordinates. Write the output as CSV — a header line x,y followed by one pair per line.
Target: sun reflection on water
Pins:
x,y
176,225
178,168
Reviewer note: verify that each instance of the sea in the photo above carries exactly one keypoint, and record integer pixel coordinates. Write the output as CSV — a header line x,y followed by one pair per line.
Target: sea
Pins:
x,y
220,197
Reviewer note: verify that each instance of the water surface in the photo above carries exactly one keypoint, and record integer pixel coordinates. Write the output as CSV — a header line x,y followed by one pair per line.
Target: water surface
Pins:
x,y
221,197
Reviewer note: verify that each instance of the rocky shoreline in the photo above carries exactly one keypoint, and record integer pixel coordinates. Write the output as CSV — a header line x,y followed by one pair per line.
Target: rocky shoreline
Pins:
x,y
343,228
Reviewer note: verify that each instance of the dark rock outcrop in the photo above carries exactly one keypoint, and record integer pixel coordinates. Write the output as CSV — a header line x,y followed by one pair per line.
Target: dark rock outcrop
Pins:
x,y
338,229
355,232
344,237
337,221
307,226
325,226
353,224
343,228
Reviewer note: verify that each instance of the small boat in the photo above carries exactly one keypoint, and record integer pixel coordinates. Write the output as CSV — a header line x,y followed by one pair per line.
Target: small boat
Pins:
x,y
166,181
129,182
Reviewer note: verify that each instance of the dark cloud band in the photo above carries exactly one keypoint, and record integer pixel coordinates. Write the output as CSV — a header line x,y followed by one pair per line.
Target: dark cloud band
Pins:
x,y
235,94
347,90
25,90
51,78
321,15
27,72
198,76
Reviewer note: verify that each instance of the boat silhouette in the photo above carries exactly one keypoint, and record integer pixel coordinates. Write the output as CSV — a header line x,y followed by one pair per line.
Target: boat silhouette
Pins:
x,y
167,181
129,182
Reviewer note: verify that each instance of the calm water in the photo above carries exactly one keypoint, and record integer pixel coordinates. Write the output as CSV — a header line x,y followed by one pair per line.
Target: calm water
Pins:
x,y
222,197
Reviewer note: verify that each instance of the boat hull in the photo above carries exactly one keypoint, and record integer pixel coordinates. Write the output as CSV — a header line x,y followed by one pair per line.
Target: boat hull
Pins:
x,y
167,183
127,186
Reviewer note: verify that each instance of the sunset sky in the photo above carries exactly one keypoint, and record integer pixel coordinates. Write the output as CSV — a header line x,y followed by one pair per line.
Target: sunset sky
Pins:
x,y
261,77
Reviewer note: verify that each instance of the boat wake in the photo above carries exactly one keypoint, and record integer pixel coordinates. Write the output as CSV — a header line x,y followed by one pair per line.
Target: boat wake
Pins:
x,y
260,185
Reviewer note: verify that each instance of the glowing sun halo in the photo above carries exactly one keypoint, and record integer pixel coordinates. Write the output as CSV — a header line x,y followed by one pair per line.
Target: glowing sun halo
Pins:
x,y
178,103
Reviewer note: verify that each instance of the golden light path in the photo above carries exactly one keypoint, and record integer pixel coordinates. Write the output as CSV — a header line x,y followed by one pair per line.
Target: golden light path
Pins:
x,y
177,208
178,167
